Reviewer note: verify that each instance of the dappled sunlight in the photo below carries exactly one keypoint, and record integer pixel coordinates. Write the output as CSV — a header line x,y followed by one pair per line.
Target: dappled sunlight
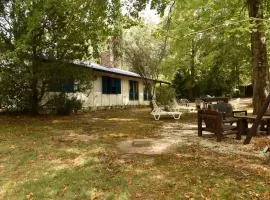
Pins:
x,y
94,193
57,164
115,135
122,119
96,119
82,160
158,177
261,169
72,150
146,146
59,121
73,137
7,187
243,103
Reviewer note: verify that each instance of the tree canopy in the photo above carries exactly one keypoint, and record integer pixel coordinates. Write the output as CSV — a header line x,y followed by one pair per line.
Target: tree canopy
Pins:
x,y
38,38
205,47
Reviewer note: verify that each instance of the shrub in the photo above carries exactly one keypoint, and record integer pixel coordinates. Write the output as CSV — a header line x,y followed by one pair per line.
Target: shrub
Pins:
x,y
62,105
165,94
15,95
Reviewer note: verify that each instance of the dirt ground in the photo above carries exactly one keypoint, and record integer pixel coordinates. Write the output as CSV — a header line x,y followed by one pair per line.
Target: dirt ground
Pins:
x,y
126,154
173,135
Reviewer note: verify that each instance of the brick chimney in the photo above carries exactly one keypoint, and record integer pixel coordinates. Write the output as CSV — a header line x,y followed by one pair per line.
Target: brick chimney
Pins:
x,y
106,59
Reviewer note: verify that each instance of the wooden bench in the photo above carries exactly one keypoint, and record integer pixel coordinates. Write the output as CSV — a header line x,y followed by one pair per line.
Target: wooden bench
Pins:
x,y
213,121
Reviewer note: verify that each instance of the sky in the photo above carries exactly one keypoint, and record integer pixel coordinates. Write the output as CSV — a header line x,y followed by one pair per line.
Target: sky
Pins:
x,y
150,16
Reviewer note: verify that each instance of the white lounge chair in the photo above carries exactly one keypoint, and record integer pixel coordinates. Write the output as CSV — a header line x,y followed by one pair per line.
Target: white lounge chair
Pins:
x,y
183,102
157,112
181,107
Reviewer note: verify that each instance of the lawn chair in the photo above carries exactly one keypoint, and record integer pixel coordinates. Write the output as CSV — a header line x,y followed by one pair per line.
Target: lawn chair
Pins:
x,y
184,102
157,112
213,121
182,106
227,112
200,104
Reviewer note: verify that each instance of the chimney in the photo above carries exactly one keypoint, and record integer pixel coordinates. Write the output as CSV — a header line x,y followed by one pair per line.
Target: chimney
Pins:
x,y
106,59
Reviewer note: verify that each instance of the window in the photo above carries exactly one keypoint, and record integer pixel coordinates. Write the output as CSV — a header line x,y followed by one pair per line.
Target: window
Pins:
x,y
111,85
133,90
61,86
146,94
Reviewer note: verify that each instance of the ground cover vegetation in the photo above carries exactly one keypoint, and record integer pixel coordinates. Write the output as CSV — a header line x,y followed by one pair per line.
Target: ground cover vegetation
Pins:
x,y
204,47
77,157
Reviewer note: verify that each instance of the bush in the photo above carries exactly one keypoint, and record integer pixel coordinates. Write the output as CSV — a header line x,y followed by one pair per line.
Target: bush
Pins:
x,y
165,94
15,94
62,105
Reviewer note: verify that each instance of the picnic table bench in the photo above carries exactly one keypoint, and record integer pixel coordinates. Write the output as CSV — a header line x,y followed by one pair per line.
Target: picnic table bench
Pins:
x,y
213,121
202,103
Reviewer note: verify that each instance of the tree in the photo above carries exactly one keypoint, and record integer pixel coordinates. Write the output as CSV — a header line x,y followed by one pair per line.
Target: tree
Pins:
x,y
38,38
221,27
180,83
259,63
212,49
145,54
260,77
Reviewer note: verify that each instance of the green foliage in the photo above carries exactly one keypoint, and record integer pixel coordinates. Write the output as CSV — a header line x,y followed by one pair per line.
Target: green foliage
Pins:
x,y
180,83
136,6
61,104
165,94
14,90
144,54
39,38
210,43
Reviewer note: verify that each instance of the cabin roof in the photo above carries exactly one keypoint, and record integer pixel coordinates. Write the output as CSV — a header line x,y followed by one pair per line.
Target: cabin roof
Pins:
x,y
101,68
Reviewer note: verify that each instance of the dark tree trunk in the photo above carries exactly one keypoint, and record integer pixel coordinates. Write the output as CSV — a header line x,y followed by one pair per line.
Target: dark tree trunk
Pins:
x,y
192,69
34,88
34,105
260,67
237,75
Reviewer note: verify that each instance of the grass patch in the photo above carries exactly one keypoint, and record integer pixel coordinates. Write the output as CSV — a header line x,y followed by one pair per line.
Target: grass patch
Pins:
x,y
38,162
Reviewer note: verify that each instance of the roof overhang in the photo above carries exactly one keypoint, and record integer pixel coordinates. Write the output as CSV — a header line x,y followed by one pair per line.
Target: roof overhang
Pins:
x,y
115,71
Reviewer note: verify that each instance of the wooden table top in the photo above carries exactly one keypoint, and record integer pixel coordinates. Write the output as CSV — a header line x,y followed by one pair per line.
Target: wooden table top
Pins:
x,y
251,117
213,99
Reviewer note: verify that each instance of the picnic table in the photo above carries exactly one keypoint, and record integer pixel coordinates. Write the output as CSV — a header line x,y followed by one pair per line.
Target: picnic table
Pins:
x,y
202,103
243,121
215,99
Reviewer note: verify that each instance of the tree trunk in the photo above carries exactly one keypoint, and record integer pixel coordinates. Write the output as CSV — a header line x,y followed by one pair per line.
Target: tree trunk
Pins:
x,y
34,88
34,103
192,69
260,66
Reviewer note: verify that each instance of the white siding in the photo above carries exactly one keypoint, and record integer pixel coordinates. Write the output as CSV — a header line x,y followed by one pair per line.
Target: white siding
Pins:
x,y
95,98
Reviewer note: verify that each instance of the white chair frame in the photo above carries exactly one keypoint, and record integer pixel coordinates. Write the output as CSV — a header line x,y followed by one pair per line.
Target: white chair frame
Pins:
x,y
157,112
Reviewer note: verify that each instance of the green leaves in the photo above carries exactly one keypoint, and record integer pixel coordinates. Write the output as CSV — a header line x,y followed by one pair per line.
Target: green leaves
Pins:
x,y
209,41
39,38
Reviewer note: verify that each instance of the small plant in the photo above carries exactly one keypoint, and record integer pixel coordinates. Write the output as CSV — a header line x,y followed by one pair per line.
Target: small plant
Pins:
x,y
62,105
165,94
